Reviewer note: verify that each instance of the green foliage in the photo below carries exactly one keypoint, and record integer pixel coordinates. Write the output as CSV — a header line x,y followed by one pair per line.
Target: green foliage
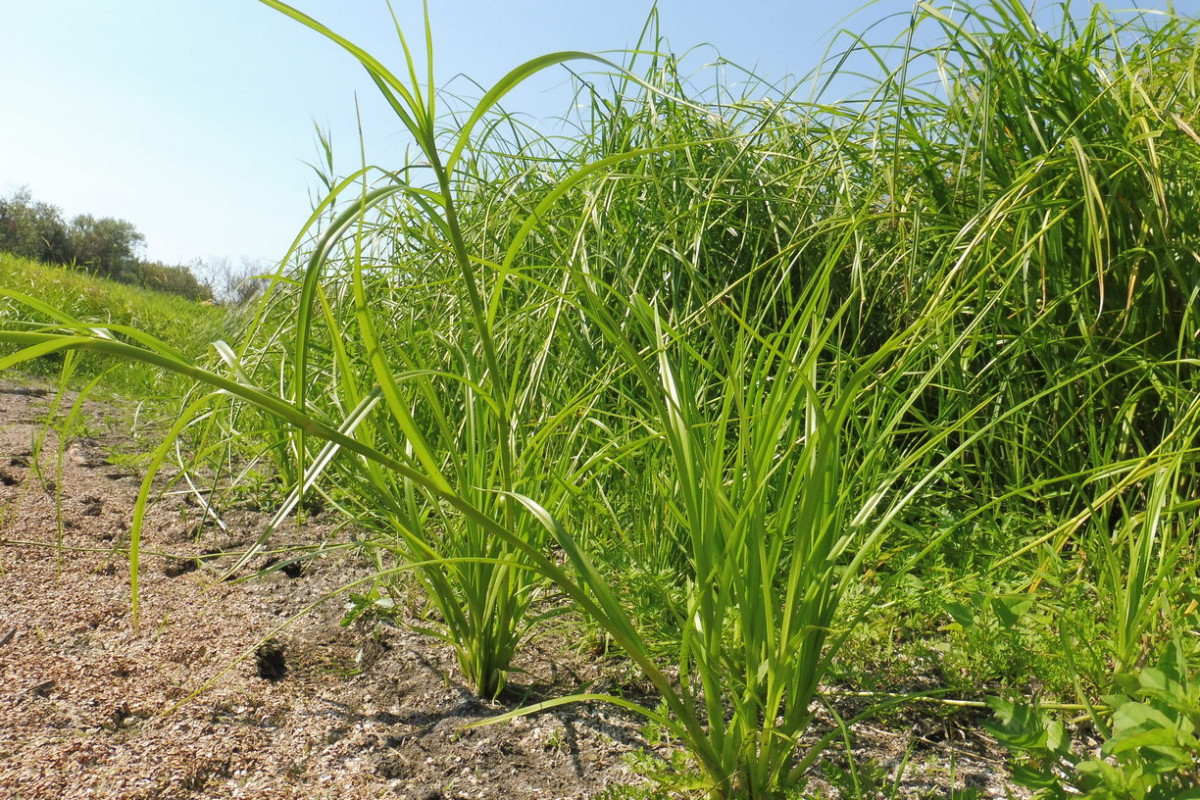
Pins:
x,y
185,325
104,247
33,230
1150,752
159,277
753,384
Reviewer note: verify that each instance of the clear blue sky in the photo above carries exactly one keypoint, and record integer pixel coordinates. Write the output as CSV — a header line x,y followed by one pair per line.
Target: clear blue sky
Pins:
x,y
193,119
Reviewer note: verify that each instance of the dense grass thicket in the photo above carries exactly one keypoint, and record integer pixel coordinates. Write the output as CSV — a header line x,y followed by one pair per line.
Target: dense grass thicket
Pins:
x,y
749,382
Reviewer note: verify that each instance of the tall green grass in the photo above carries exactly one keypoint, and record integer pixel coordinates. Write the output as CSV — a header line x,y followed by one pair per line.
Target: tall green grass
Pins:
x,y
713,365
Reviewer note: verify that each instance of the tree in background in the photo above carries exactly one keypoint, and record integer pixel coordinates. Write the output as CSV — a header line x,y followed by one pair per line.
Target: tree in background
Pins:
x,y
33,230
107,247
174,280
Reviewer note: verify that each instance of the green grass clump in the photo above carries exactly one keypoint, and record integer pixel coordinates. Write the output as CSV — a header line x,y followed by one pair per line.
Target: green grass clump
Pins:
x,y
732,375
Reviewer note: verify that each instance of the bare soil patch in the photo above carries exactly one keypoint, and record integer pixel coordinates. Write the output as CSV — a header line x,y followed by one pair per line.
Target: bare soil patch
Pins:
x,y
231,689
91,707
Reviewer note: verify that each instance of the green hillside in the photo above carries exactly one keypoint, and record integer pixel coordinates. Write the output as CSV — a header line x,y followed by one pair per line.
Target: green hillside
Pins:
x,y
183,324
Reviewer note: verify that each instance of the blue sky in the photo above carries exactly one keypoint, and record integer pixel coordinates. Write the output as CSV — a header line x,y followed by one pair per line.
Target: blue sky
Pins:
x,y
193,119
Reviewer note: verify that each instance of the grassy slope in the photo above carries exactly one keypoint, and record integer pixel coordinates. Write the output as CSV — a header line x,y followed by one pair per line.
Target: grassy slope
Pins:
x,y
181,323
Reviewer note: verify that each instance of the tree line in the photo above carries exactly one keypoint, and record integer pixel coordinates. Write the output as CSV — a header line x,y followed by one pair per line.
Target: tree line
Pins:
x,y
107,247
